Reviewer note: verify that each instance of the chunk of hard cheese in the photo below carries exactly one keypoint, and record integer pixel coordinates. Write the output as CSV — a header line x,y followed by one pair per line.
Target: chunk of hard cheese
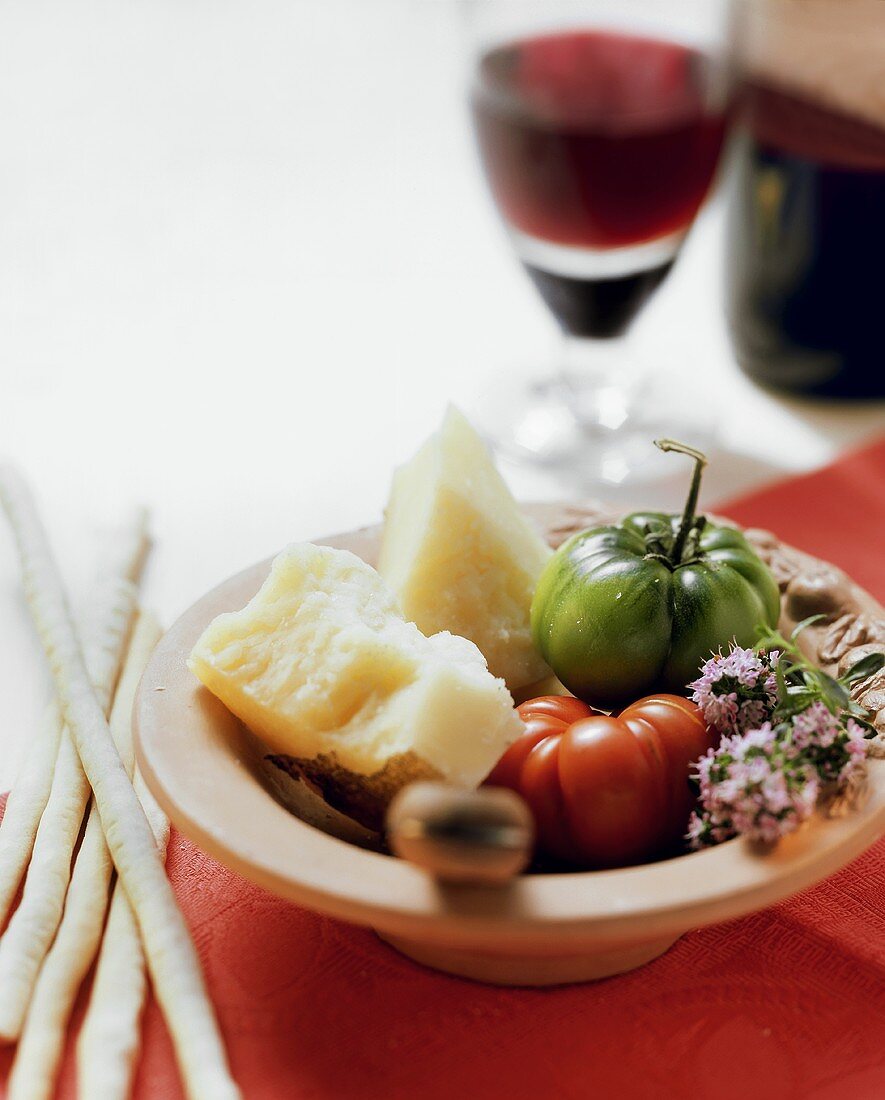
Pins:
x,y
460,555
321,665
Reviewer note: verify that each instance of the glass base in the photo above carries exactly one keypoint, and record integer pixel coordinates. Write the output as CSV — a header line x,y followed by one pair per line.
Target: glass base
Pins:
x,y
597,437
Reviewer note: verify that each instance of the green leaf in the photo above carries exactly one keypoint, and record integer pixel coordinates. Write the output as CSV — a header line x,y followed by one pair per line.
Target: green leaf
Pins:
x,y
780,674
864,668
835,695
799,627
770,638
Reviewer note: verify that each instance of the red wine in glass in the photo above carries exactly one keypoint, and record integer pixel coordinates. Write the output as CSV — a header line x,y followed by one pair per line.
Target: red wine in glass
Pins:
x,y
599,149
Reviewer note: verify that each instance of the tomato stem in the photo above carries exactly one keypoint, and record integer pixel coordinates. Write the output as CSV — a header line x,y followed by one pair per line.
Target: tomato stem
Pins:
x,y
688,516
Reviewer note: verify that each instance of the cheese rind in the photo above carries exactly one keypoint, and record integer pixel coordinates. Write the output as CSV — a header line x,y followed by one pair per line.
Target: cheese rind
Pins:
x,y
459,554
321,666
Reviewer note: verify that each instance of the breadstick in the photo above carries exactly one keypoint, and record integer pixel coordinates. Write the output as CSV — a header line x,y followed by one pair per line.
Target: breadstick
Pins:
x,y
105,628
33,925
109,1038
171,956
24,806
24,945
79,934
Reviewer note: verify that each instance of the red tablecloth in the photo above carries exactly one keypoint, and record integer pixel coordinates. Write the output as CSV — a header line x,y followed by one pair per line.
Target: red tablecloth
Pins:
x,y
789,1003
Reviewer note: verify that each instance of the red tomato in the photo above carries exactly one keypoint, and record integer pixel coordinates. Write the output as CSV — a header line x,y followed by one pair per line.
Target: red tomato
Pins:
x,y
606,791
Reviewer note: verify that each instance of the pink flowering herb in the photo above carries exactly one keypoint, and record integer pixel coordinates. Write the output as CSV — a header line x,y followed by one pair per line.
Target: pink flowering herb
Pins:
x,y
764,783
789,732
737,692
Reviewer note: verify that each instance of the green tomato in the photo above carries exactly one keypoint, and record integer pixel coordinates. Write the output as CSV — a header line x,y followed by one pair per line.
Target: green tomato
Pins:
x,y
622,611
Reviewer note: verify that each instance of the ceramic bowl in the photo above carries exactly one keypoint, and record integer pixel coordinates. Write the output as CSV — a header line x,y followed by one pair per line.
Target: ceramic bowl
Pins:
x,y
209,774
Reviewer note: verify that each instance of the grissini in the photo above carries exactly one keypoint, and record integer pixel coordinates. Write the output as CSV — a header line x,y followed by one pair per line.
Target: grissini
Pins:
x,y
79,934
25,805
108,1043
105,628
171,956
24,945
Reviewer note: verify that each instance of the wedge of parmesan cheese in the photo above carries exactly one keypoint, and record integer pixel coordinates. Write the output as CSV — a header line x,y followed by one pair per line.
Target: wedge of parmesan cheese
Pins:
x,y
324,669
460,555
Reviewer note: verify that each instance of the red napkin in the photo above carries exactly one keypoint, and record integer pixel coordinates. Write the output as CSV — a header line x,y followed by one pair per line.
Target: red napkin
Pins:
x,y
785,1004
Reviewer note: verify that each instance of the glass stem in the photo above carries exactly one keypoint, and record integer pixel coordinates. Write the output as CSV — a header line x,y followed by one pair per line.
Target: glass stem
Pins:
x,y
593,373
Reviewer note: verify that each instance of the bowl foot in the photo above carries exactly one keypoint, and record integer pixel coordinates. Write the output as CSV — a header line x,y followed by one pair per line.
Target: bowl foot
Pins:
x,y
496,969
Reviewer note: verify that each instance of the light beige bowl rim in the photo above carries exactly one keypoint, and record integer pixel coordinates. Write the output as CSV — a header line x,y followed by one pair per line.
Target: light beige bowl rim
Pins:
x,y
187,750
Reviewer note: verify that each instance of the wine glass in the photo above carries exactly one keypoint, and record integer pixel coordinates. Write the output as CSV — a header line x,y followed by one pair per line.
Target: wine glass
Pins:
x,y
599,125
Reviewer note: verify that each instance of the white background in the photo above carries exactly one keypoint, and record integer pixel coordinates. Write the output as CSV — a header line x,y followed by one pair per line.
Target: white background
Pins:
x,y
246,257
